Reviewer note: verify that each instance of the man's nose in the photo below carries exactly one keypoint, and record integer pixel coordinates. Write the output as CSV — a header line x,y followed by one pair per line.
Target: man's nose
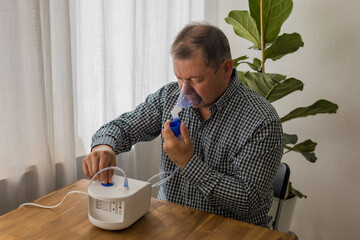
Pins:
x,y
187,88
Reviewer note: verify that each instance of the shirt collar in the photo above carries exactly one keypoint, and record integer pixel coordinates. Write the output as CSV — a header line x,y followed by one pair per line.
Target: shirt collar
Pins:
x,y
227,95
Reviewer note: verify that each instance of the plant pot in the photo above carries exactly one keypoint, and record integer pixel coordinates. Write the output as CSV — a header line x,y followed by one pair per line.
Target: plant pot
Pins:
x,y
286,213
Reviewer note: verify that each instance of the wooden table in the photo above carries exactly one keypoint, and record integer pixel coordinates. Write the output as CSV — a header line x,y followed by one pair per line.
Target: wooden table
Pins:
x,y
164,221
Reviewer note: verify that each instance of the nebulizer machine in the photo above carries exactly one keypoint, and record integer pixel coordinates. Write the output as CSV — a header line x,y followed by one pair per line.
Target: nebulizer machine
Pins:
x,y
117,205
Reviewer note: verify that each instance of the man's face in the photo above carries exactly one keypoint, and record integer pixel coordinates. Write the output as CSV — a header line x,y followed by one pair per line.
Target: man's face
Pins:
x,y
207,82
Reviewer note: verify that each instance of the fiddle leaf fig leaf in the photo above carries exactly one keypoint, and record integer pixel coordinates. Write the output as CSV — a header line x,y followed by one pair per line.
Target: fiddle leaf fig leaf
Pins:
x,y
270,86
296,192
306,146
284,88
237,62
290,138
244,26
284,44
310,156
261,83
321,106
275,13
253,67
277,77
257,63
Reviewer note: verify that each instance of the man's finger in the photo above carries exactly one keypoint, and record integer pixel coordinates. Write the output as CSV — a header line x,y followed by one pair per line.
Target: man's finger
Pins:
x,y
110,175
94,167
85,167
185,133
167,132
104,163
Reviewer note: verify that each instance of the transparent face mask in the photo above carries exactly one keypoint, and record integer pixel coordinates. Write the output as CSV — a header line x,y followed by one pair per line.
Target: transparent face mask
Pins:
x,y
188,97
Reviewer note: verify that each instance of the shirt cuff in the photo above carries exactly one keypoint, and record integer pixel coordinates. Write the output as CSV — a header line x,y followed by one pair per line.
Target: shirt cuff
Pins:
x,y
194,170
103,140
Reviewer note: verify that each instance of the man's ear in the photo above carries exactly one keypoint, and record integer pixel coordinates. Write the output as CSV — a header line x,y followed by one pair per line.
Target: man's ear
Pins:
x,y
228,68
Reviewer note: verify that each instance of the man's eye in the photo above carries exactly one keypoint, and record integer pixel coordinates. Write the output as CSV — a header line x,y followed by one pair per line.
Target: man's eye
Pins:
x,y
196,80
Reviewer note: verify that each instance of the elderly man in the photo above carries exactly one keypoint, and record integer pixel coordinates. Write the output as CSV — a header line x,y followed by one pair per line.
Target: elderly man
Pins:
x,y
231,140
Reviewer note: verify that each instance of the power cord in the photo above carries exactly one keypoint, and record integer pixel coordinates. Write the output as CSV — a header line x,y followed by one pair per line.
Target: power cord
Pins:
x,y
43,206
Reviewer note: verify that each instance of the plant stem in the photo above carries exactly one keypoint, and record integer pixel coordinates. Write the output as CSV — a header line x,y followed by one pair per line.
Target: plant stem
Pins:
x,y
262,38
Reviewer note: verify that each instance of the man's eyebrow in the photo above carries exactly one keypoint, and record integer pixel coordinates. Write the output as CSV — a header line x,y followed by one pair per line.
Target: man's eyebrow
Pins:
x,y
196,76
200,76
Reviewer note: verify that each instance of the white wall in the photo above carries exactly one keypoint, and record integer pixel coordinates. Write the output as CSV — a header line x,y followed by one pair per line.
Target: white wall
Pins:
x,y
329,66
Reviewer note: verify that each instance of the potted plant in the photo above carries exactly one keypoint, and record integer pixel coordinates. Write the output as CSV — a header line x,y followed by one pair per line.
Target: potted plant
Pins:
x,y
262,28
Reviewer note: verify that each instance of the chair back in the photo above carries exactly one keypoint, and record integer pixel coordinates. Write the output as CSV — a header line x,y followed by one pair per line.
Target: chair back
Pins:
x,y
280,184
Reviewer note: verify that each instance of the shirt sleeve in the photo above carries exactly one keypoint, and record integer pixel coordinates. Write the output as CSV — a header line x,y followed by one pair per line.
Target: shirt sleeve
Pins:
x,y
242,190
142,124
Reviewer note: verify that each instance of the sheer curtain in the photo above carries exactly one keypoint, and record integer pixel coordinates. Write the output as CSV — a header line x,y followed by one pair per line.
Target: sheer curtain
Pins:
x,y
37,122
69,66
122,54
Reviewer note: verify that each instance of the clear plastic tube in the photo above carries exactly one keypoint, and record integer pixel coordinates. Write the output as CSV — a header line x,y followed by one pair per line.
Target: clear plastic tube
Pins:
x,y
113,168
161,182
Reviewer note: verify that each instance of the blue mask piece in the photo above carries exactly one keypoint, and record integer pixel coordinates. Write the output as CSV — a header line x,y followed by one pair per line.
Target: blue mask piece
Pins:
x,y
175,127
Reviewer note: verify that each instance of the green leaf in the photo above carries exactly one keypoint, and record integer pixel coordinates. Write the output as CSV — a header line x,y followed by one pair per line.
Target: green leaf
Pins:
x,y
275,13
257,62
270,86
277,77
310,156
290,138
284,88
306,146
321,106
244,26
237,62
261,83
253,66
284,44
296,192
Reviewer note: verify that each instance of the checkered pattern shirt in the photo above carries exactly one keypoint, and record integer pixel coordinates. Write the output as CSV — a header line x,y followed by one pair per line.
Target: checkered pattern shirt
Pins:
x,y
236,150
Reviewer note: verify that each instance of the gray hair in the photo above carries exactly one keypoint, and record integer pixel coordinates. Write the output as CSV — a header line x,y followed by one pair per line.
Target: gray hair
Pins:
x,y
205,37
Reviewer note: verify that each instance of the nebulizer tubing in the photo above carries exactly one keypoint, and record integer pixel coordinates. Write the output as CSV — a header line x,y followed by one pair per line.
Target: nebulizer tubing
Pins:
x,y
161,182
126,179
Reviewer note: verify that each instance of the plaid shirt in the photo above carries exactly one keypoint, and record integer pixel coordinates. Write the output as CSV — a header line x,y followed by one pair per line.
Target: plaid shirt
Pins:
x,y
236,150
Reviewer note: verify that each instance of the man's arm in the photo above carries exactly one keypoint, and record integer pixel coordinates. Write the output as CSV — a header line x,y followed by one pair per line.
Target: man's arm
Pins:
x,y
120,134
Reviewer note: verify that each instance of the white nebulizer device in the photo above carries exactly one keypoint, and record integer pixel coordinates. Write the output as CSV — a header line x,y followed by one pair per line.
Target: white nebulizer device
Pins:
x,y
119,204
188,97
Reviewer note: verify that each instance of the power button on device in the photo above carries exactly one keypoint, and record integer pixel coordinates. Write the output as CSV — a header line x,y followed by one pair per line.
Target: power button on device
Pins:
x,y
107,184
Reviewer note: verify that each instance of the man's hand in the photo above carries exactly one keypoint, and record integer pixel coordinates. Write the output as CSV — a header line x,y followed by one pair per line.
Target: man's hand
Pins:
x,y
179,151
101,156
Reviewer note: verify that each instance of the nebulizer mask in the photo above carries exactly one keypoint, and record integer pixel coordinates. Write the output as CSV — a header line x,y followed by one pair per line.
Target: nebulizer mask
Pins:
x,y
188,97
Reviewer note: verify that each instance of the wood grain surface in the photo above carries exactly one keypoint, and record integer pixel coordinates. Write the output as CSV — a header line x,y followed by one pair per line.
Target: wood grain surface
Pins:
x,y
164,221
